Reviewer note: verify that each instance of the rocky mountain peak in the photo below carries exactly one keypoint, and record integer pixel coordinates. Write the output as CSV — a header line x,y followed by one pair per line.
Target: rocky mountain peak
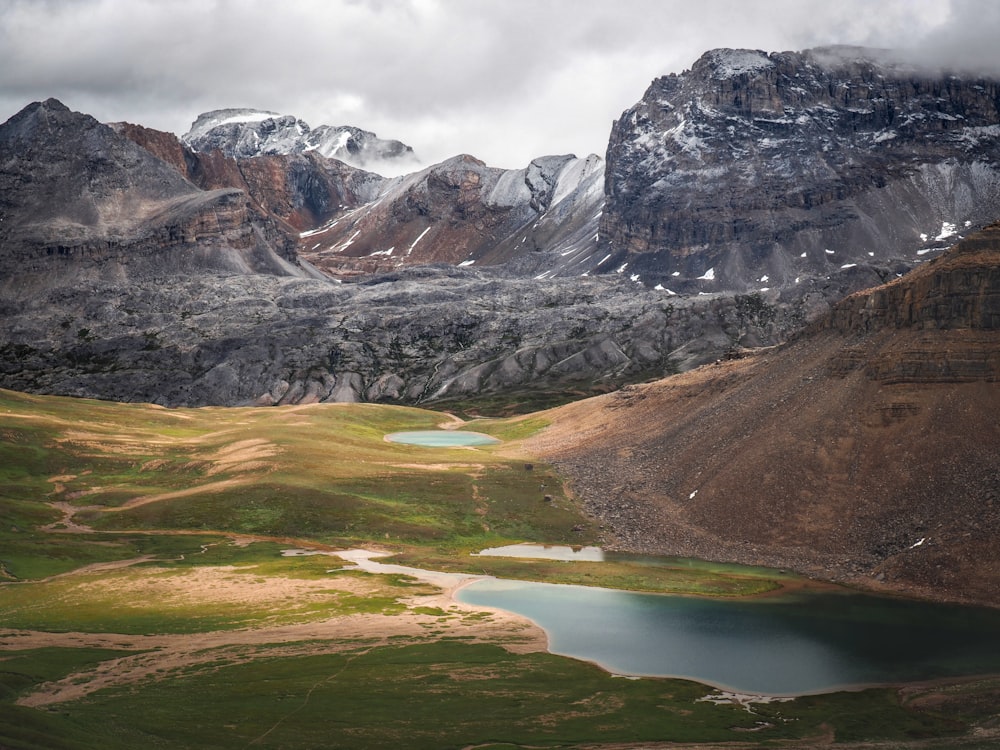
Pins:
x,y
727,63
40,122
66,176
758,168
80,197
50,106
230,117
542,177
246,133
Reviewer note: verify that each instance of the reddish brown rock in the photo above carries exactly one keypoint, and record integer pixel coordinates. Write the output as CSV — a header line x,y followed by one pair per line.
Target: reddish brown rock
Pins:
x,y
301,190
867,450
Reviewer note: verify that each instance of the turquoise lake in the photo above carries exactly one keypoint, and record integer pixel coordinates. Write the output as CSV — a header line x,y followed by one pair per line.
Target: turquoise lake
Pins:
x,y
785,645
441,438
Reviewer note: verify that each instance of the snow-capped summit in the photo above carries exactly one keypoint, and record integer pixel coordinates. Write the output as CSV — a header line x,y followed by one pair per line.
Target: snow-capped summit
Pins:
x,y
726,63
245,133
360,148
208,121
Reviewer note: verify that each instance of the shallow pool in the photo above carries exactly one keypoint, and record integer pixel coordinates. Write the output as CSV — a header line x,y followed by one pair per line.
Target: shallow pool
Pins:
x,y
441,438
547,552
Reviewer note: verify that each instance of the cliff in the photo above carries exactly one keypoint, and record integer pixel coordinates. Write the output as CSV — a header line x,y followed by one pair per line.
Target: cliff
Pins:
x,y
79,198
757,169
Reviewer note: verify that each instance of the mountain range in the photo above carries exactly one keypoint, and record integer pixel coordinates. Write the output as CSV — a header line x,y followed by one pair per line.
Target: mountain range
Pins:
x,y
749,171
773,227
247,205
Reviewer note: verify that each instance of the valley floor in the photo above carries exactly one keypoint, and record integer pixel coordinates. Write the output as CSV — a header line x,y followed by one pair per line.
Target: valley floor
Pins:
x,y
150,600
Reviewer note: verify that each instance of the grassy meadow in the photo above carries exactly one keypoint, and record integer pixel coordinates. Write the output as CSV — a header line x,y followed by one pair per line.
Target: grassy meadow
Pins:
x,y
145,600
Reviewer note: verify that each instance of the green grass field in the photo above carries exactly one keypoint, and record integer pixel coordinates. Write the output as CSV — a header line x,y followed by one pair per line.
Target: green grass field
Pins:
x,y
145,601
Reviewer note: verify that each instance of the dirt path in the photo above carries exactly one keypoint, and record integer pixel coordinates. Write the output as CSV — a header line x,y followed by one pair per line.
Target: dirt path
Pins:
x,y
222,484
453,423
66,523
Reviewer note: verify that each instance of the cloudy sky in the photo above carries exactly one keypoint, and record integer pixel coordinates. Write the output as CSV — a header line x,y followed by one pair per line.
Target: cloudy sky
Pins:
x,y
505,80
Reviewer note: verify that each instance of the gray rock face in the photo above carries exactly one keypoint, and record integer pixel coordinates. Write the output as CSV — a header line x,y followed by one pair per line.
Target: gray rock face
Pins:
x,y
753,168
411,337
79,198
245,133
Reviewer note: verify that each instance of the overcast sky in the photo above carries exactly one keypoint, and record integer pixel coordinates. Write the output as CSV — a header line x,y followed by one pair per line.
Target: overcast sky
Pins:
x,y
504,80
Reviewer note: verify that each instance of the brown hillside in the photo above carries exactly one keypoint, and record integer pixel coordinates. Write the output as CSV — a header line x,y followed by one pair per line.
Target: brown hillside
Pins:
x,y
868,450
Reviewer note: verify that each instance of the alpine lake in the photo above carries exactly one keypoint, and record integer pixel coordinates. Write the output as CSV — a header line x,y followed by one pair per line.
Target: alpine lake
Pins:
x,y
786,644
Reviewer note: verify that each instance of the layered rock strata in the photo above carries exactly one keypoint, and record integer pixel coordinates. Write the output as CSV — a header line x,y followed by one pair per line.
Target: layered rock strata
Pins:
x,y
756,169
79,198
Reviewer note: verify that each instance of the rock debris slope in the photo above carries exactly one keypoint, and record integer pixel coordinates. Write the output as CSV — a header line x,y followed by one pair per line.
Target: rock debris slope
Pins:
x,y
754,169
866,450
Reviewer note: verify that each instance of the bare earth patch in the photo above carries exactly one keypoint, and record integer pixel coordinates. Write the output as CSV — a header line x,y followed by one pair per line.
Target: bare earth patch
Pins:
x,y
163,655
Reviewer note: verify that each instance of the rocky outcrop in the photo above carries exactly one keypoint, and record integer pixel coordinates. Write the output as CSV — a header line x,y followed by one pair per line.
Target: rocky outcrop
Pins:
x,y
959,290
538,220
866,450
753,168
246,133
80,198
303,190
413,336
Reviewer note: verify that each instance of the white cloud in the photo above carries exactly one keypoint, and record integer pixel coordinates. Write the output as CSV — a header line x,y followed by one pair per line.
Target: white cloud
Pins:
x,y
505,80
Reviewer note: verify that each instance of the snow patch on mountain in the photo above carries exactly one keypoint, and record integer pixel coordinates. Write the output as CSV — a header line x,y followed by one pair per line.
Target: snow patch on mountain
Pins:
x,y
727,63
848,152
246,133
208,121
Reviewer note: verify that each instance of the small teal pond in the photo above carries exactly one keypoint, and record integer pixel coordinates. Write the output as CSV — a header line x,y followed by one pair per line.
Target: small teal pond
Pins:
x,y
441,438
787,645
